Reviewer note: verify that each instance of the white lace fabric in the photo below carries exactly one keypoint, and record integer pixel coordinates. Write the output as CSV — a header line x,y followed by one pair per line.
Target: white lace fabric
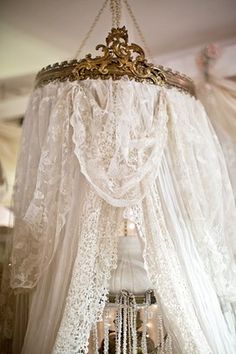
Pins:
x,y
128,140
119,138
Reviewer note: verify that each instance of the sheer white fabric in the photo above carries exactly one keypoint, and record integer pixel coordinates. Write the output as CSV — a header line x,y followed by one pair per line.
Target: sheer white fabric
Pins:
x,y
130,273
90,158
119,138
218,95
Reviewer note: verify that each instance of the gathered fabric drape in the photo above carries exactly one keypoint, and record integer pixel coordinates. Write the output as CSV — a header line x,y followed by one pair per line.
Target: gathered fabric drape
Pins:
x,y
95,152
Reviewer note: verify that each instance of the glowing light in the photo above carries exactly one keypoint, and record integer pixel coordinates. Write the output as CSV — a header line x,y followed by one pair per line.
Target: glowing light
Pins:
x,y
149,325
131,226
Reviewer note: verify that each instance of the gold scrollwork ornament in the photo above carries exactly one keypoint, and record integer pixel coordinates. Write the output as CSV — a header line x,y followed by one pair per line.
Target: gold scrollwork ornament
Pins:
x,y
119,59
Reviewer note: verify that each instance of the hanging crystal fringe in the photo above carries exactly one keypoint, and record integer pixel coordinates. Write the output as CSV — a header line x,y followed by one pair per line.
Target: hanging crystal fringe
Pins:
x,y
95,340
129,323
125,324
144,332
134,325
129,329
160,328
118,329
106,331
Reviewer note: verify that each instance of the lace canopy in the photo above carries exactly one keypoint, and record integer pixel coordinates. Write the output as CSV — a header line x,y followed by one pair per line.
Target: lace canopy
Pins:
x,y
96,150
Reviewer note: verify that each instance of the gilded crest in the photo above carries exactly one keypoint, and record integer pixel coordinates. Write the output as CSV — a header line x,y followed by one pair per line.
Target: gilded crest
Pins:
x,y
118,59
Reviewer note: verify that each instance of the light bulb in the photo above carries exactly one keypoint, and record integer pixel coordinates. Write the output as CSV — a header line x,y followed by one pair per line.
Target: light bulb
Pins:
x,y
131,226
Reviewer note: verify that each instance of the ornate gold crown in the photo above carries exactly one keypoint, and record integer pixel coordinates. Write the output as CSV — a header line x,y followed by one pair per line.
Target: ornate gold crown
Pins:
x,y
118,59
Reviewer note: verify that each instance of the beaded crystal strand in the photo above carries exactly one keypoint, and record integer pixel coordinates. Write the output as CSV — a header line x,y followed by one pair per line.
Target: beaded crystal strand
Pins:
x,y
144,330
125,324
95,339
118,328
106,331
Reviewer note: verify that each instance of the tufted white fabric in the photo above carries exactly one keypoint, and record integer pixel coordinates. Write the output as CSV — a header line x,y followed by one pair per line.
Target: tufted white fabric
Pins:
x,y
95,152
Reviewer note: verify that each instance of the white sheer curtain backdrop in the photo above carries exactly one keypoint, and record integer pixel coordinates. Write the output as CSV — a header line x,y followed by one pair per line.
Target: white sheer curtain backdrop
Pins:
x,y
218,95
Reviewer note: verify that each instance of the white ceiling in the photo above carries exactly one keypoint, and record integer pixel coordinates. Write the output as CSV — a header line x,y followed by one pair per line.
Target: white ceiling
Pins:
x,y
35,33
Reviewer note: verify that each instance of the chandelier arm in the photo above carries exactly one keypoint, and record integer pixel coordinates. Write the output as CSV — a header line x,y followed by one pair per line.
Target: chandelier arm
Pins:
x,y
88,34
137,27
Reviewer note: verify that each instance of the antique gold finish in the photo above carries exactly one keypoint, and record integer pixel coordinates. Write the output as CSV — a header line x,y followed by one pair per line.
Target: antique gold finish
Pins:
x,y
118,59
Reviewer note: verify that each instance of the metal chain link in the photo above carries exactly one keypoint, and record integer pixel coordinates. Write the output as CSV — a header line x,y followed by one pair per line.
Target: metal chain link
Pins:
x,y
88,34
115,6
136,25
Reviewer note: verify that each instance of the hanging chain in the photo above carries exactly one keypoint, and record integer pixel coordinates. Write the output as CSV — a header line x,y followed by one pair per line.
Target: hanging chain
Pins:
x,y
138,29
115,6
88,34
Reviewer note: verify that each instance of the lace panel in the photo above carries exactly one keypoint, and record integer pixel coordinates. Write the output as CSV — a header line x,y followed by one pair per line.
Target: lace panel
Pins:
x,y
96,257
121,163
196,155
42,205
164,271
119,139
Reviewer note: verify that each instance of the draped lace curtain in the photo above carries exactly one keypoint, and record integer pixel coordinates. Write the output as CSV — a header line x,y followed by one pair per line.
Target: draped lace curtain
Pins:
x,y
94,152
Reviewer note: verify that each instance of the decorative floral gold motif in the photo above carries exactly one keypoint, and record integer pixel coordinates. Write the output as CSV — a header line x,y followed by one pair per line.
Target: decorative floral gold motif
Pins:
x,y
118,59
